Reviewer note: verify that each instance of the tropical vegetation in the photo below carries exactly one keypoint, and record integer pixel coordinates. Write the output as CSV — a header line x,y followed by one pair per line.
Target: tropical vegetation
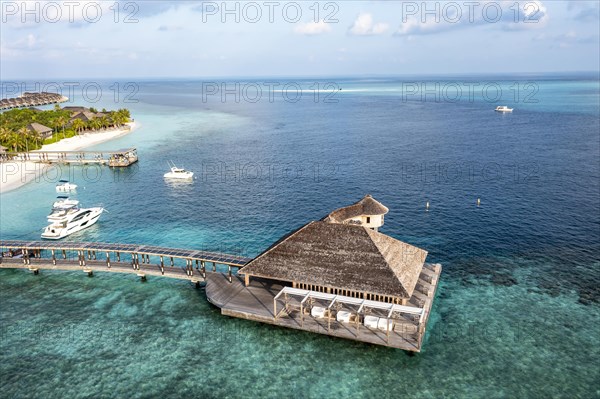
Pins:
x,y
15,136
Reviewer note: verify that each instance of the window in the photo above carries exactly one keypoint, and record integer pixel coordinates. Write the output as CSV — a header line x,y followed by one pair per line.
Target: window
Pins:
x,y
368,219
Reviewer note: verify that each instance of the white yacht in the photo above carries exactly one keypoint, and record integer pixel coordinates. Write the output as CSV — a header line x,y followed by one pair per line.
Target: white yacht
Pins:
x,y
67,218
503,108
178,173
64,185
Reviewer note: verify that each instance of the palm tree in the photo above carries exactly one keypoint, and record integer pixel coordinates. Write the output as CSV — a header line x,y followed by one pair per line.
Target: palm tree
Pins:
x,y
62,121
23,135
78,125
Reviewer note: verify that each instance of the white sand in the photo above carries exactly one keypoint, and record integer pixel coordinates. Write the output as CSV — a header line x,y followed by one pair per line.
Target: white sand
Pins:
x,y
17,173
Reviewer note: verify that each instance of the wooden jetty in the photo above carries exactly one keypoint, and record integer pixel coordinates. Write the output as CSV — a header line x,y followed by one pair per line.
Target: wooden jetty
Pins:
x,y
120,258
118,158
337,276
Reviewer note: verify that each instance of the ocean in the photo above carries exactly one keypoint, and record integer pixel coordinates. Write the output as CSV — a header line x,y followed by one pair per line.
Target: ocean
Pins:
x,y
517,312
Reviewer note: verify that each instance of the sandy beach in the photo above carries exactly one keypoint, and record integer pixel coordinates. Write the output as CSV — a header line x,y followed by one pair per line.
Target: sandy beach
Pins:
x,y
17,173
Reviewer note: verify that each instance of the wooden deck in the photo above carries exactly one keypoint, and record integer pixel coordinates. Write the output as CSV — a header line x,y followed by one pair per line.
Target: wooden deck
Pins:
x,y
255,302
117,158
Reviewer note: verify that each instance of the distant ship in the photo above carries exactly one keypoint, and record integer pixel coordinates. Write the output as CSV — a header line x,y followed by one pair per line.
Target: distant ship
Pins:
x,y
503,108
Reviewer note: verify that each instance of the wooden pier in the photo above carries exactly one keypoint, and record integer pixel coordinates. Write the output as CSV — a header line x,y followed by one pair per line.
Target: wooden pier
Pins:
x,y
141,260
119,158
259,302
266,301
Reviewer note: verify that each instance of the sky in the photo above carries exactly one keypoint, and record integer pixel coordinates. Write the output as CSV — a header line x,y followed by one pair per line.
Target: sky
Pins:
x,y
181,39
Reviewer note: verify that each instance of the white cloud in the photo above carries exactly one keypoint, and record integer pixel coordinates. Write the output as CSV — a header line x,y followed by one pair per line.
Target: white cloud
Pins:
x,y
499,14
363,26
313,28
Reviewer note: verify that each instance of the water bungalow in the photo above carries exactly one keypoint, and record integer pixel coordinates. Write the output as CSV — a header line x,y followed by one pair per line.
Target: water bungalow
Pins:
x,y
30,99
338,276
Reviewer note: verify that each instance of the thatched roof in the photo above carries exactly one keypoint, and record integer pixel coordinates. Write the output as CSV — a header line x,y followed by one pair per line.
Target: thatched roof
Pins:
x,y
342,256
367,206
39,128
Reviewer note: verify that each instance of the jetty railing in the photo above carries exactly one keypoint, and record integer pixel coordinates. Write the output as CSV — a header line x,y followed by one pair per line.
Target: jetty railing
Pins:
x,y
122,258
116,158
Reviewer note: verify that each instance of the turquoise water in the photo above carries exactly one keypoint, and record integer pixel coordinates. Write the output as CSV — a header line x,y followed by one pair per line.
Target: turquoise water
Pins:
x,y
517,310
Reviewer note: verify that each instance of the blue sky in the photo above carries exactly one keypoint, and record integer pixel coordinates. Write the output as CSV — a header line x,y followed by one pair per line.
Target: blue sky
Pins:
x,y
83,39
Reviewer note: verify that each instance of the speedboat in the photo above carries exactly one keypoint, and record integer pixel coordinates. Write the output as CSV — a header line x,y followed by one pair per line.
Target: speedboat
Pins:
x,y
178,173
503,108
72,220
64,185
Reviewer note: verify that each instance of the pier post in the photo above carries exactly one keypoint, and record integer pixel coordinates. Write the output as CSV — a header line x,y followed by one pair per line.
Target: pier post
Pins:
x,y
172,264
118,256
162,265
137,261
64,253
94,254
53,257
203,266
133,260
89,254
214,267
191,267
108,259
229,272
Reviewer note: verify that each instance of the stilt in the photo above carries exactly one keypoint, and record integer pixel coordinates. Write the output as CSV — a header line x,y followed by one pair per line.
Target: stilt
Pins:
x,y
53,258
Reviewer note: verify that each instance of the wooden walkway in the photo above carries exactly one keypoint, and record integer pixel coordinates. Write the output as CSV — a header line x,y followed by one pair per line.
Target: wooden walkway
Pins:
x,y
255,302
124,157
119,258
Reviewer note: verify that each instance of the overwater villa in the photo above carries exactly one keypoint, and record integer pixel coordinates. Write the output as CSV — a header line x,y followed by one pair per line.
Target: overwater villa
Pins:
x,y
337,276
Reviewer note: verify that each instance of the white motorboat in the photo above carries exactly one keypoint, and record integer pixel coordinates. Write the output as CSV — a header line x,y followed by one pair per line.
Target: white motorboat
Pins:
x,y
178,173
61,207
503,108
64,185
72,220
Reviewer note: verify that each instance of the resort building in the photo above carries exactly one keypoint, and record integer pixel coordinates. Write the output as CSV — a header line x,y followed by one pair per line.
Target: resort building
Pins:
x,y
43,131
338,276
85,116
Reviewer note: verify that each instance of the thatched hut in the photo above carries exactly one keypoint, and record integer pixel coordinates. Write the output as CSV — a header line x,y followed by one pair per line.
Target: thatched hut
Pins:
x,y
43,131
343,254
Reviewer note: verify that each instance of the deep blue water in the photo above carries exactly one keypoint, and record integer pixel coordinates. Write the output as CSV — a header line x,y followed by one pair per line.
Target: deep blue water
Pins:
x,y
518,307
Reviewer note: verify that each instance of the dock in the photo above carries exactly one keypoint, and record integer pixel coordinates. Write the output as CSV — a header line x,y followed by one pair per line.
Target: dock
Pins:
x,y
257,302
140,260
113,158
337,276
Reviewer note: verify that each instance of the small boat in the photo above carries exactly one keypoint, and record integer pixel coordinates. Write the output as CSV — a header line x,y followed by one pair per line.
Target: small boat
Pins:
x,y
503,108
64,185
178,173
71,221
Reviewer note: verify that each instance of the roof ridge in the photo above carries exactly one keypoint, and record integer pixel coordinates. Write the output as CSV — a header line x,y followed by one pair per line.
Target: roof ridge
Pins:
x,y
378,238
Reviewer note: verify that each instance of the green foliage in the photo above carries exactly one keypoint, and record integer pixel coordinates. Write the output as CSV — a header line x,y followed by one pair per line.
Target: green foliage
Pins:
x,y
16,137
